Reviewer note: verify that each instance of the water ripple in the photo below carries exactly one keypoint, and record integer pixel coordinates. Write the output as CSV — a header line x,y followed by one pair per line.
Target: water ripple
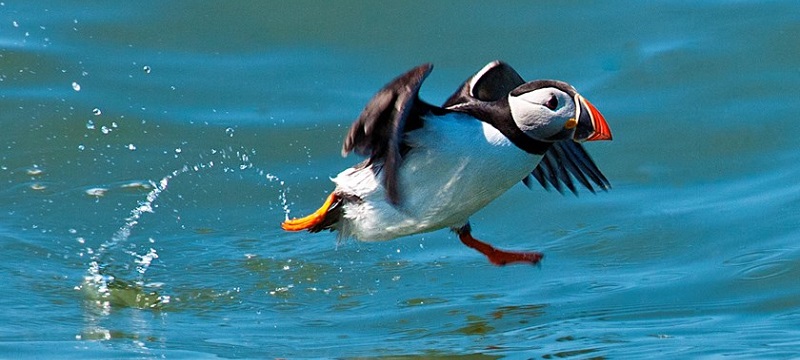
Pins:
x,y
767,270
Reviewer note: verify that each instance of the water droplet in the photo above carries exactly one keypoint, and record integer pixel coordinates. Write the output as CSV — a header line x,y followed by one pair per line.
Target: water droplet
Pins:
x,y
145,260
81,147
16,25
229,131
146,69
138,185
96,192
72,231
178,151
105,130
131,147
38,187
76,86
81,240
96,112
35,171
90,125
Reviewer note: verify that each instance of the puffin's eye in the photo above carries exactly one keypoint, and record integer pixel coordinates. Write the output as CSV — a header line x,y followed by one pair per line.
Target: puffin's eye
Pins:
x,y
552,104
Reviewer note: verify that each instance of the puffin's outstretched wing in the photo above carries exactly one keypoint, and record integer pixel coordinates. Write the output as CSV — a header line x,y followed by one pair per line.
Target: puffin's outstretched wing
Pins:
x,y
496,80
378,131
565,158
491,83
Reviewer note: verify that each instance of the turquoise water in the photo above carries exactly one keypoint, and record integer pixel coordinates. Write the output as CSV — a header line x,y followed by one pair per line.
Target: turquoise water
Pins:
x,y
149,151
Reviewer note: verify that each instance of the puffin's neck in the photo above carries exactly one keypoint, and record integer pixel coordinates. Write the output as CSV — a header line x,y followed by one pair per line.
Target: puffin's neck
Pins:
x,y
498,114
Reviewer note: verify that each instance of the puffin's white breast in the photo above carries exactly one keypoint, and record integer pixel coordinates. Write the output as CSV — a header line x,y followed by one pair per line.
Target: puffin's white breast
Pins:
x,y
456,166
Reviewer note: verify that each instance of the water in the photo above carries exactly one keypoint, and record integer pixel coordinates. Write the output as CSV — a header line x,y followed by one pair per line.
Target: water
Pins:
x,y
149,152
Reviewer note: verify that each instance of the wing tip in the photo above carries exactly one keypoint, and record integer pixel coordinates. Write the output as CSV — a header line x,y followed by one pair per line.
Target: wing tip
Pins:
x,y
566,163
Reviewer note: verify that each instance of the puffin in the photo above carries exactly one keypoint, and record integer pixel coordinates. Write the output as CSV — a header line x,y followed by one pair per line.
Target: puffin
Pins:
x,y
430,167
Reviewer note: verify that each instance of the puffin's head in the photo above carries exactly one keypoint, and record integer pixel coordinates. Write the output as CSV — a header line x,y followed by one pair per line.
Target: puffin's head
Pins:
x,y
551,110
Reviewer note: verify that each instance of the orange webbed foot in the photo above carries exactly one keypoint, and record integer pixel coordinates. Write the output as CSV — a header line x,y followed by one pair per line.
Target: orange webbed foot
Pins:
x,y
310,221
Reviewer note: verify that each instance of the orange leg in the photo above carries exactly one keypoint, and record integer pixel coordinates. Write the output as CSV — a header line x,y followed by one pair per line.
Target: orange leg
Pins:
x,y
496,256
312,220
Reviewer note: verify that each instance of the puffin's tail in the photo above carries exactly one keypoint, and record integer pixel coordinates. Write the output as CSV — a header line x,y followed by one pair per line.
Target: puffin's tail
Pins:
x,y
324,218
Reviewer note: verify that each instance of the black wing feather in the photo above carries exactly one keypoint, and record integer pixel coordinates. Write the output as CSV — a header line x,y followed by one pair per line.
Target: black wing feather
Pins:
x,y
567,158
378,132
572,167
491,83
588,166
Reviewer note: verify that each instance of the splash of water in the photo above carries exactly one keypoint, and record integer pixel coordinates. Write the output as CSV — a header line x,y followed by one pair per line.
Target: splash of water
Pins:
x,y
107,290
96,283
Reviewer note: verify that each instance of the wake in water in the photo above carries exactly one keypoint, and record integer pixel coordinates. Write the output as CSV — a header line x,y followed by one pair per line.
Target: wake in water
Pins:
x,y
105,284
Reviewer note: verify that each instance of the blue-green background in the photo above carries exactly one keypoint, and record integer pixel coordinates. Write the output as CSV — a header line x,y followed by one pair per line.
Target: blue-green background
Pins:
x,y
238,106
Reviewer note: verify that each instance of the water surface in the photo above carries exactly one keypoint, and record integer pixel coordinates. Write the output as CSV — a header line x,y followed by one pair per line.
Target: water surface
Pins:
x,y
150,150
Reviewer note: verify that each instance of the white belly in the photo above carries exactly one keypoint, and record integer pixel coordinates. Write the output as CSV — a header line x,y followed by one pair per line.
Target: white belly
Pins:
x,y
455,168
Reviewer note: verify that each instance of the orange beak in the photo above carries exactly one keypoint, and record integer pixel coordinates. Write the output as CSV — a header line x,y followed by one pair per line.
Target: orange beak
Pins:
x,y
592,126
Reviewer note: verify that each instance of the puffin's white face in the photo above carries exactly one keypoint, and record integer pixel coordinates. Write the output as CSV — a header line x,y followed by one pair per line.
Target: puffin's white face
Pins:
x,y
545,114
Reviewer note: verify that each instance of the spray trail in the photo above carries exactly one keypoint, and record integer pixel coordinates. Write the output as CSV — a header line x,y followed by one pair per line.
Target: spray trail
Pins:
x,y
103,286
